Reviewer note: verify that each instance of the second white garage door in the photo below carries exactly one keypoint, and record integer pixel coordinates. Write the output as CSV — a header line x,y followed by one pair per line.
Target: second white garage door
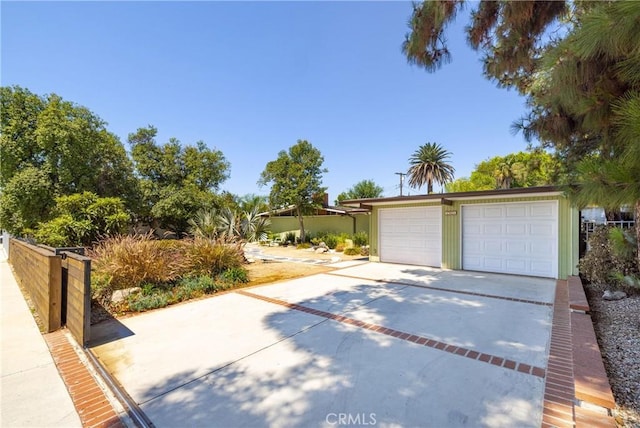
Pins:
x,y
411,235
518,238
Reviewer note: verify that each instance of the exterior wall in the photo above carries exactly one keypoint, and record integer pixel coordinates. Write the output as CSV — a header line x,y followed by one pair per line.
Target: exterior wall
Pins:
x,y
452,225
321,223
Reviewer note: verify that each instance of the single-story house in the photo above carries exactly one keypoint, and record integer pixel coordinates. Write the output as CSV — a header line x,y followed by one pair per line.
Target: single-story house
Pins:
x,y
325,218
526,231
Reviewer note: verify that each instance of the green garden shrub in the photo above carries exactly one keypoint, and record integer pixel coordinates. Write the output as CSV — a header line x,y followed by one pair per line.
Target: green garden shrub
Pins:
x,y
235,275
140,302
360,239
611,258
331,240
290,238
353,251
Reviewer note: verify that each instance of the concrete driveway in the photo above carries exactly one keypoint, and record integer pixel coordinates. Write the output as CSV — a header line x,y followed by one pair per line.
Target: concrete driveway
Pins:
x,y
368,345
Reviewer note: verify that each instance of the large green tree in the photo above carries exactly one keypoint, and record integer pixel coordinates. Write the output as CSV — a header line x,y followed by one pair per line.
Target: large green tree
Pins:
x,y
578,64
360,190
67,144
296,179
176,181
521,169
82,219
429,164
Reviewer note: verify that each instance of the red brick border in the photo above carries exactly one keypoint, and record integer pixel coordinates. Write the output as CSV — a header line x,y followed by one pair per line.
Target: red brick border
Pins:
x,y
93,406
420,340
559,392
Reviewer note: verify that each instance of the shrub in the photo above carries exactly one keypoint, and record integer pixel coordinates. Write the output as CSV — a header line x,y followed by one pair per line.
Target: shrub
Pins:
x,y
303,246
191,287
142,302
208,257
130,261
610,259
204,284
360,239
101,289
331,240
290,238
353,251
340,247
236,275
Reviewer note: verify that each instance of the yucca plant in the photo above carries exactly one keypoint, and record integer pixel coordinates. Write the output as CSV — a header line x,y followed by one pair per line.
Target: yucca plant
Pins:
x,y
254,227
204,224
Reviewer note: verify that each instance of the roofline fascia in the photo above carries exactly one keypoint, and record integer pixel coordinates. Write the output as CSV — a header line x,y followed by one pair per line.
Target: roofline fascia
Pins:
x,y
458,196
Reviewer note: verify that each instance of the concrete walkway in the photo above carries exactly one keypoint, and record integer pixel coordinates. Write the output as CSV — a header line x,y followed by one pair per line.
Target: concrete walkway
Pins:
x,y
32,392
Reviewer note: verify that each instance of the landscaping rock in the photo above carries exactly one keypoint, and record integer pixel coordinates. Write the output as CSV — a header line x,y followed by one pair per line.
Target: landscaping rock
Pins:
x,y
614,295
120,295
321,249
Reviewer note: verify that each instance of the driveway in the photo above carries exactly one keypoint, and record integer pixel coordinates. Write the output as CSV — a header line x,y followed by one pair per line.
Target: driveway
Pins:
x,y
370,344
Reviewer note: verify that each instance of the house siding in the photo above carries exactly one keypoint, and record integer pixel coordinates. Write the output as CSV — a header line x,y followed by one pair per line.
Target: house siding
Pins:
x,y
452,227
320,224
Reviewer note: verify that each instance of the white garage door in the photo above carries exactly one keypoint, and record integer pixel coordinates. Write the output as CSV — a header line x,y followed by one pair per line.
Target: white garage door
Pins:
x,y
411,235
518,238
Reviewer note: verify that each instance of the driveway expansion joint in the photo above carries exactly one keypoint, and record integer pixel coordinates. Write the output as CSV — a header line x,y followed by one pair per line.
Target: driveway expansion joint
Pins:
x,y
448,290
408,337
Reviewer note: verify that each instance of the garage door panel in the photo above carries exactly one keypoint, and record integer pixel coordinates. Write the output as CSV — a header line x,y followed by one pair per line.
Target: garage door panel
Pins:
x,y
411,235
490,263
541,267
519,238
516,211
542,229
517,229
493,246
541,248
518,247
515,265
492,212
542,211
492,229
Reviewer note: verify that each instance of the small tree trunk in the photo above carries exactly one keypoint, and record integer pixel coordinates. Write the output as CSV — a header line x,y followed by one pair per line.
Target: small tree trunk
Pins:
x,y
301,221
636,218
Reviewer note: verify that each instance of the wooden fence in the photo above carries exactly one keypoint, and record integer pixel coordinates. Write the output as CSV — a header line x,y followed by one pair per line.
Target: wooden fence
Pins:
x,y
59,285
40,272
76,282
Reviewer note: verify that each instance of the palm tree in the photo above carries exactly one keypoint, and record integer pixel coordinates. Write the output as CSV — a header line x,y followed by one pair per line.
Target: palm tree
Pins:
x,y
429,165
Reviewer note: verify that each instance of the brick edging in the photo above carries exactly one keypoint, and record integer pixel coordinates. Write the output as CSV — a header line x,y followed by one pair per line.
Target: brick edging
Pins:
x,y
559,391
90,401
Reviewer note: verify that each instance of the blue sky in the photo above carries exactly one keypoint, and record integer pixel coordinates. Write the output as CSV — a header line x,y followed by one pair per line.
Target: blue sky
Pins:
x,y
251,78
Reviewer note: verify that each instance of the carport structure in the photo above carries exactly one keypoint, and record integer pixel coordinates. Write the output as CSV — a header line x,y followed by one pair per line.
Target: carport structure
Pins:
x,y
528,231
371,343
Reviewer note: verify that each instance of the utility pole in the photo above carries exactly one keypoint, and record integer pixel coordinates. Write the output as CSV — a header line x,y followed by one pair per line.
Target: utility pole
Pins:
x,y
401,174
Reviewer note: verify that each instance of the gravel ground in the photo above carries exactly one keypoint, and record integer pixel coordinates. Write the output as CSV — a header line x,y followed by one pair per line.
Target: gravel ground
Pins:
x,y
617,326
